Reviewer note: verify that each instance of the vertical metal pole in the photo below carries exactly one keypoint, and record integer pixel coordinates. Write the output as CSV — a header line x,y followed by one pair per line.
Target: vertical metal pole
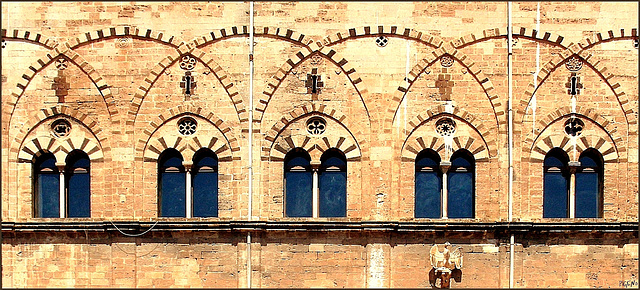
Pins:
x,y
510,141
250,201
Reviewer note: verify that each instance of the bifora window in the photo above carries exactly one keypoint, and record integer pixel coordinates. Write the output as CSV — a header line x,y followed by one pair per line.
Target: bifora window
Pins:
x,y
573,189
62,190
315,191
188,191
444,189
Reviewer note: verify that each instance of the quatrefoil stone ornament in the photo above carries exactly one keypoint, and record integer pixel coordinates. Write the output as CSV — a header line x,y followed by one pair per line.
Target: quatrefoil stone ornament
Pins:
x,y
382,41
316,126
445,127
188,62
573,127
61,63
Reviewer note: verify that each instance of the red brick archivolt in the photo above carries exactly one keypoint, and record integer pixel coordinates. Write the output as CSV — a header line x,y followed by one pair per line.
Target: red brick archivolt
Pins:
x,y
466,62
62,51
481,149
28,36
171,59
518,32
276,145
243,31
294,61
590,61
222,141
538,147
383,30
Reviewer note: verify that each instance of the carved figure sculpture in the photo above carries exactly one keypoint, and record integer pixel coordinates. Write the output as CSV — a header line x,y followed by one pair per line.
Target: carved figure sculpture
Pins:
x,y
445,265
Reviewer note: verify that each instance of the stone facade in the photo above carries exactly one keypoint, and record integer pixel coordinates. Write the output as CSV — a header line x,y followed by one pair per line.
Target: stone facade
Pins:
x,y
387,72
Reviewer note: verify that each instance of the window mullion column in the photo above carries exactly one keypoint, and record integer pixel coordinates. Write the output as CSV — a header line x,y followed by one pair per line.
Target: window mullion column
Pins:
x,y
444,167
573,167
188,190
315,192
62,189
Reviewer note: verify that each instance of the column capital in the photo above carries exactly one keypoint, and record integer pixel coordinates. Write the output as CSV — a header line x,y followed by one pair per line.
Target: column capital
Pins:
x,y
187,165
573,166
444,166
315,165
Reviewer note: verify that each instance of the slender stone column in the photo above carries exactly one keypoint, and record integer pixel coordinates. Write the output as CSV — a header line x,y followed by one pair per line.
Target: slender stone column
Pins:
x,y
444,167
573,167
62,191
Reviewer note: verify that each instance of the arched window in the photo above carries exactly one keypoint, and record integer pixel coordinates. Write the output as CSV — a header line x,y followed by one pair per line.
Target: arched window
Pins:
x,y
78,184
556,184
332,184
428,185
171,184
205,183
298,184
46,186
589,184
461,185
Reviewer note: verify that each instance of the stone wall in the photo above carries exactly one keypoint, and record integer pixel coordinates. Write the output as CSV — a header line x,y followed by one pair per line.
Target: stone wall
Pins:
x,y
389,72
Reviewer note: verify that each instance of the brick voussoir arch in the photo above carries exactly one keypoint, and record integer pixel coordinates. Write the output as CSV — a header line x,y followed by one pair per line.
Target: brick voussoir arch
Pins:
x,y
124,31
271,151
476,72
29,36
147,149
207,61
62,50
535,149
258,31
383,30
489,137
607,76
58,111
583,112
298,58
25,150
518,32
611,35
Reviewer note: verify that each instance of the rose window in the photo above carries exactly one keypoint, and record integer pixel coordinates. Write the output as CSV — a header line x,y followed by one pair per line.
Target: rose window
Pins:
x,y
445,127
61,128
316,126
187,126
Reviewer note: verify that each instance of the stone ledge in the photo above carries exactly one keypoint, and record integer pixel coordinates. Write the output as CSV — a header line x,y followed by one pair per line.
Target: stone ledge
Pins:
x,y
499,228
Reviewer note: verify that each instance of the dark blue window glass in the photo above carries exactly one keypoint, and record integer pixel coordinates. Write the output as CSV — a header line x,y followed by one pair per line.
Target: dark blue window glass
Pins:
x,y
589,185
205,184
556,185
461,185
332,183
298,181
47,186
428,203
78,184
171,184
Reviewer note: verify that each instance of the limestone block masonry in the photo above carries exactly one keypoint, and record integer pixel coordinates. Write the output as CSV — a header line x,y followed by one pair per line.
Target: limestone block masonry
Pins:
x,y
383,84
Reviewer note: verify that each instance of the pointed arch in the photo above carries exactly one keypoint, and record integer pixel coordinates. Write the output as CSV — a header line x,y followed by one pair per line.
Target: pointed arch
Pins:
x,y
168,61
605,74
482,79
62,51
329,54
